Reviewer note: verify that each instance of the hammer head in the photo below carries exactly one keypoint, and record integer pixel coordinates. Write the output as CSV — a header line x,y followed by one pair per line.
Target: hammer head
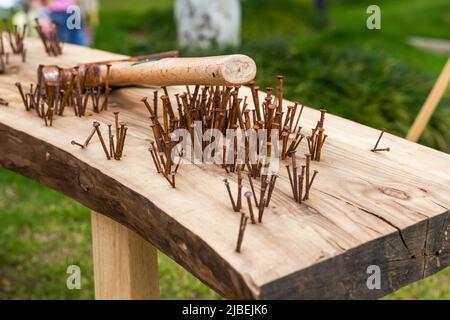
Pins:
x,y
85,76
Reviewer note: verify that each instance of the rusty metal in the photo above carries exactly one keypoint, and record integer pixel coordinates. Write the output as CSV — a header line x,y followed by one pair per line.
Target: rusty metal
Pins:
x,y
248,195
227,185
99,134
73,142
308,187
307,174
375,148
242,226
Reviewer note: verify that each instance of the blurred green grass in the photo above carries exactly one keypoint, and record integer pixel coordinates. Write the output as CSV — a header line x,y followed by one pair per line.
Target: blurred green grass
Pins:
x,y
373,77
43,232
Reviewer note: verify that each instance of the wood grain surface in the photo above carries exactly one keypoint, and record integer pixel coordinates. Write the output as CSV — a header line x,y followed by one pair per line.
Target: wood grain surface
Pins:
x,y
385,209
125,265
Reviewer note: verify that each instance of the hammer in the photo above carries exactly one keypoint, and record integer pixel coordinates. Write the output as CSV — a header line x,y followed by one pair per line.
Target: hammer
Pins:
x,y
156,70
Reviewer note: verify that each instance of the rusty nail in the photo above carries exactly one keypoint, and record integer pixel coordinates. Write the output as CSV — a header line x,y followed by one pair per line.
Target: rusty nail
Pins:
x,y
147,105
24,99
173,174
379,139
261,200
300,185
43,113
248,195
273,179
385,149
154,157
111,141
74,143
50,116
96,126
116,119
155,150
242,225
227,185
122,144
322,117
308,187
307,172
91,134
290,179
239,197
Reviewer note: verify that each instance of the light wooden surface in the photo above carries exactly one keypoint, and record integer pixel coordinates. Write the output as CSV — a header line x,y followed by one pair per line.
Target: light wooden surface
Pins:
x,y
385,209
125,265
430,104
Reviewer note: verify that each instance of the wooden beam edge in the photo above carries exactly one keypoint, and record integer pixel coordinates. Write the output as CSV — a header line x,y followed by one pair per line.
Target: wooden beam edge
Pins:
x,y
419,250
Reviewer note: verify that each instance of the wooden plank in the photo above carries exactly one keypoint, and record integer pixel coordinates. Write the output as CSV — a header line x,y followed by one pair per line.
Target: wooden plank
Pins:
x,y
431,44
430,104
385,209
125,265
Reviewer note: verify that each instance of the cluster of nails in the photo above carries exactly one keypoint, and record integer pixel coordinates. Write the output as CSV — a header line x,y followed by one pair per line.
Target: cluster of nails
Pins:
x,y
317,138
221,108
51,42
16,41
116,141
301,183
161,148
164,164
49,99
261,202
267,187
41,101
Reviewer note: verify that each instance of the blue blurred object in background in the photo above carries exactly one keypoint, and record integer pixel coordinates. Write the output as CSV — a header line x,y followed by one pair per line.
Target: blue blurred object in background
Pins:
x,y
75,36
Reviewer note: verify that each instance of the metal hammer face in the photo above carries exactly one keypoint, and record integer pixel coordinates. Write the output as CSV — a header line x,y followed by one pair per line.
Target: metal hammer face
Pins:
x,y
88,75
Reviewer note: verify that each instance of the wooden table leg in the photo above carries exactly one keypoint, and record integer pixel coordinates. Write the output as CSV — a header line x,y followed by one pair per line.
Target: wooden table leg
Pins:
x,y
125,265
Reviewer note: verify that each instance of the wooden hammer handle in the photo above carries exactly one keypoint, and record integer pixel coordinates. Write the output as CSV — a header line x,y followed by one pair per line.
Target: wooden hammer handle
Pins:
x,y
219,70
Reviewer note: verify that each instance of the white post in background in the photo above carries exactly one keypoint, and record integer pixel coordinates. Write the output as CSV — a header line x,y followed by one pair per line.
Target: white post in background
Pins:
x,y
208,23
